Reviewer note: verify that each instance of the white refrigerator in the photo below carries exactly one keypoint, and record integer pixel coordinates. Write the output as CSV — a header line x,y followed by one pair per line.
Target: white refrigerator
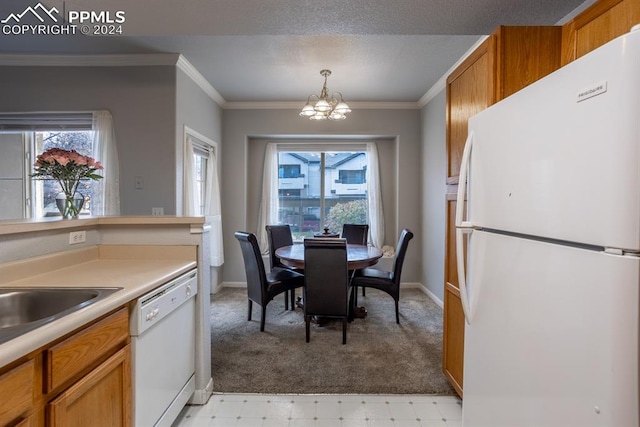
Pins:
x,y
550,284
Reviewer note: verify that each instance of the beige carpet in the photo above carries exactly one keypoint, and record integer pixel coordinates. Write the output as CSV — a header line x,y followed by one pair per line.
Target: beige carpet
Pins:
x,y
380,357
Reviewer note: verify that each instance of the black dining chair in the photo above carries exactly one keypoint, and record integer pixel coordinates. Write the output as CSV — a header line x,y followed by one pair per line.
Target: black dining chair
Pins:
x,y
356,234
279,236
387,281
326,281
262,287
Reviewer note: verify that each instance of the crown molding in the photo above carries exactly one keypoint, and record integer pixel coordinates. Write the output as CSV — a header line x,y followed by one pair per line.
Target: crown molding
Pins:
x,y
294,105
442,81
120,60
191,71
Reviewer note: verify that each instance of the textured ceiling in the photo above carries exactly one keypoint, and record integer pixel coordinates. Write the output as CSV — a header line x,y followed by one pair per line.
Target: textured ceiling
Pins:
x,y
273,50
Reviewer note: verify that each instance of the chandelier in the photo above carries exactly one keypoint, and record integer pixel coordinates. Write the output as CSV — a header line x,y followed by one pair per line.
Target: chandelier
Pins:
x,y
325,107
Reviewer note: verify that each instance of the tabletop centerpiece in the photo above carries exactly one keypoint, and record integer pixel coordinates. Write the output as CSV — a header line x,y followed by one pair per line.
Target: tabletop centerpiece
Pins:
x,y
67,167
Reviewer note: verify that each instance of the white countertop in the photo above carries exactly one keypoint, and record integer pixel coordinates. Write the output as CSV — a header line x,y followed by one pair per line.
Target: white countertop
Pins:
x,y
135,275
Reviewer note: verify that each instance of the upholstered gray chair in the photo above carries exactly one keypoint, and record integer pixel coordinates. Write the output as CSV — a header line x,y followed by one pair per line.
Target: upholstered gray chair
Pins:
x,y
387,281
262,287
279,236
326,281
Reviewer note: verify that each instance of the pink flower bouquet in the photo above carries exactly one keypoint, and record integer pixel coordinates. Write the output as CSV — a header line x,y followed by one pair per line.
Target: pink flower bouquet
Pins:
x,y
68,168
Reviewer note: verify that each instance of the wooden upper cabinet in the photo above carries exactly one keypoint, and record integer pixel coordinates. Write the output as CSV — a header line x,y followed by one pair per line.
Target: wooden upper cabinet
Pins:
x,y
507,61
601,22
525,55
469,91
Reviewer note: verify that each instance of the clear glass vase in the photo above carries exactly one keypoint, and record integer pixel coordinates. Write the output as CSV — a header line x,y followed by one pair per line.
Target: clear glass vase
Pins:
x,y
69,205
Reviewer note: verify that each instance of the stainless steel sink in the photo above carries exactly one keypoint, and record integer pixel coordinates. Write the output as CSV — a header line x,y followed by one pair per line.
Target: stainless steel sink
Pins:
x,y
25,309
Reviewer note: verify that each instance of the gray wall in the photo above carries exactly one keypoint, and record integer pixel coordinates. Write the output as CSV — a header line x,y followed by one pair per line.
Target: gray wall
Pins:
x,y
433,196
142,101
242,126
196,110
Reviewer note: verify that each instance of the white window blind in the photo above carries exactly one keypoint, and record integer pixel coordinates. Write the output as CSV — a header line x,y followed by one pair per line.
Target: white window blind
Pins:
x,y
20,122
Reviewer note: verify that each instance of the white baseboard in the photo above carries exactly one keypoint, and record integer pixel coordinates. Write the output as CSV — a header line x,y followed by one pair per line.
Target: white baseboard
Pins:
x,y
201,397
418,285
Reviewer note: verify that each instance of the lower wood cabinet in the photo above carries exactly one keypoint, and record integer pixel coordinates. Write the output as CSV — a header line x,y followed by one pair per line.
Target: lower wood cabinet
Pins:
x,y
100,399
17,391
453,332
83,379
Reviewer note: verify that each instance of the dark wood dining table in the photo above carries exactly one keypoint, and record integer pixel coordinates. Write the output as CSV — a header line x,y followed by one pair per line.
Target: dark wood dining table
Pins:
x,y
358,256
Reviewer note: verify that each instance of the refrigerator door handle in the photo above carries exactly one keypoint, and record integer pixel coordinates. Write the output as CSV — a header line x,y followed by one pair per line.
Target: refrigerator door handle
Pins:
x,y
463,227
462,183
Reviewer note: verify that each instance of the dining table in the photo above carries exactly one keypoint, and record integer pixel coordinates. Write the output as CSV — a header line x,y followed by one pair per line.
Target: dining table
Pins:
x,y
358,256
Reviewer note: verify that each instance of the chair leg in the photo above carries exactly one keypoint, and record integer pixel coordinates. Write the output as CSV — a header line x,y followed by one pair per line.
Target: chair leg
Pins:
x,y
263,316
363,288
344,330
355,296
293,299
397,313
286,300
250,307
307,321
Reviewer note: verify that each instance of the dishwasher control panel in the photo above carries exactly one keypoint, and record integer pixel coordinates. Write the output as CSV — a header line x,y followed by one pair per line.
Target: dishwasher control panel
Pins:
x,y
159,303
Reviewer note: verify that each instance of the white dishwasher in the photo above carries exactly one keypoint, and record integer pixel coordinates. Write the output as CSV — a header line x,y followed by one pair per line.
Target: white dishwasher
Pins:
x,y
163,351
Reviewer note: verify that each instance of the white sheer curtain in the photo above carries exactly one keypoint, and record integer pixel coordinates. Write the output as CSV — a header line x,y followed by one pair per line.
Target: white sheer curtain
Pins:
x,y
107,201
191,196
269,203
213,210
374,198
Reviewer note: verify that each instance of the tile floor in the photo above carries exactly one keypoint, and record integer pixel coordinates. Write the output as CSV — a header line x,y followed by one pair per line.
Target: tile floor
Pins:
x,y
353,410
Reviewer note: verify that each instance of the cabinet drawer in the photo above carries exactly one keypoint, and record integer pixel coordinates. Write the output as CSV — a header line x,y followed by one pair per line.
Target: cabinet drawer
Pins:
x,y
71,356
16,389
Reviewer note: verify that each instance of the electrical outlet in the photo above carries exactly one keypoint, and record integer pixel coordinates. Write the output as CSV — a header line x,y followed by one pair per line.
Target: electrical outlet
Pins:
x,y
157,211
77,237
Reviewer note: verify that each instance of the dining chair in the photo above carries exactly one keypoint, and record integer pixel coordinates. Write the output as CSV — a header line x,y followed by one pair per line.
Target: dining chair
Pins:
x,y
262,287
387,281
356,234
326,281
279,236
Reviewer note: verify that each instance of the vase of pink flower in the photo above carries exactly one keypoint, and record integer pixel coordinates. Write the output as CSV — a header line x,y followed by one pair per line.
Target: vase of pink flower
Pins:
x,y
67,167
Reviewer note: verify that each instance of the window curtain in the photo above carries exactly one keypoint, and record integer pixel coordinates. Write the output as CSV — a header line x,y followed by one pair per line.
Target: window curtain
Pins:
x,y
213,210
269,203
191,197
374,198
105,151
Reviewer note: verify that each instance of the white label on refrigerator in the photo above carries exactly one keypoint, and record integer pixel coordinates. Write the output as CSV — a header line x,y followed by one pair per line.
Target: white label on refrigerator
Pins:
x,y
591,91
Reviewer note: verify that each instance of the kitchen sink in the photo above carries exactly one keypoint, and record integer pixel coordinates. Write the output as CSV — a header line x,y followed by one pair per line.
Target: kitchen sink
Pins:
x,y
25,309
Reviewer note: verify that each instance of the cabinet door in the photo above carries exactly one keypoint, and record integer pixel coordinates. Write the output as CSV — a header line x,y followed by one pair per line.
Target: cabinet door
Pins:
x,y
470,90
453,321
524,55
601,22
101,399
16,389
